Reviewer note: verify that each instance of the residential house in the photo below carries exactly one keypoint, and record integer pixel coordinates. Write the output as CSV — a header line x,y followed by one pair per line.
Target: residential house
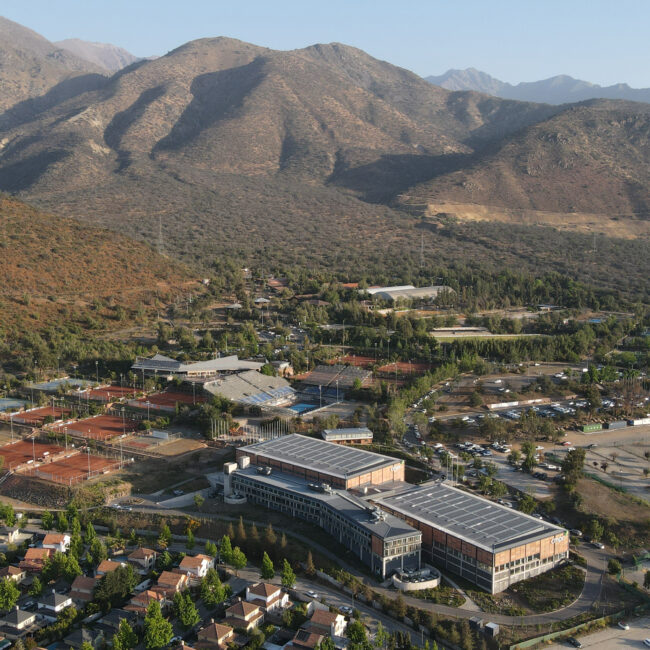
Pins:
x,y
169,583
57,542
113,618
244,615
9,535
50,604
326,623
35,559
143,559
197,565
81,590
268,597
140,602
17,620
15,573
214,635
305,640
107,566
83,635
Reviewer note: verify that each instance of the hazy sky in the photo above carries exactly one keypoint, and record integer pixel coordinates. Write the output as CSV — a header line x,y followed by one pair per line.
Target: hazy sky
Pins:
x,y
603,41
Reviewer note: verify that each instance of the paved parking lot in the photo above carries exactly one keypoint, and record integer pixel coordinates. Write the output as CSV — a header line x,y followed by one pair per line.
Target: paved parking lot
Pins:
x,y
612,638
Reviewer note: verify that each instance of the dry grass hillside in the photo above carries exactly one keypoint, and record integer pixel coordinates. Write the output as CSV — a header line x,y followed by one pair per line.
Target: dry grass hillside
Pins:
x,y
53,268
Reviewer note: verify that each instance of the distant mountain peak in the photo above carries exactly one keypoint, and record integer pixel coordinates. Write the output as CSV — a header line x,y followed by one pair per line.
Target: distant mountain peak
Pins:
x,y
559,89
107,56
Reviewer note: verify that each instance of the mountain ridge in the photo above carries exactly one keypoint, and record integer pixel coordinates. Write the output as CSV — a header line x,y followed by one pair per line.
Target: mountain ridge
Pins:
x,y
559,89
105,55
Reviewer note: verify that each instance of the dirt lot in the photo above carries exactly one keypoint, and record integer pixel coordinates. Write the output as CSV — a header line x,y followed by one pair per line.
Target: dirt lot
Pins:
x,y
180,446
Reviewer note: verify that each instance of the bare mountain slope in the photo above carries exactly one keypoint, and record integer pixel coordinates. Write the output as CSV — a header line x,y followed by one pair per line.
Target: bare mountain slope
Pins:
x,y
229,143
30,65
592,158
109,57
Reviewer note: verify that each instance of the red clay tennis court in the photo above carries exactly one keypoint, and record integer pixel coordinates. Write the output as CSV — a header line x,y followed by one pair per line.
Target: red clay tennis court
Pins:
x,y
111,393
75,469
21,452
353,360
36,417
406,367
101,427
169,399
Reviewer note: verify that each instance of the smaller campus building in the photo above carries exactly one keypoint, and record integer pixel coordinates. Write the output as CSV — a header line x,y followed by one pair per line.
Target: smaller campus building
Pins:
x,y
164,366
324,462
353,436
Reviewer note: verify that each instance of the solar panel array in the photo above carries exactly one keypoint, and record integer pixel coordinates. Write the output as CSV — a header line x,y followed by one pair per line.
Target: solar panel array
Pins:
x,y
319,455
465,515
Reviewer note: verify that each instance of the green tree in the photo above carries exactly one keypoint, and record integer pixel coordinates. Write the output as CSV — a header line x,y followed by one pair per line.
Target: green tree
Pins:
x,y
529,451
211,549
310,569
165,536
270,538
9,594
164,561
97,552
646,580
225,550
213,592
158,630
381,636
268,571
125,638
185,609
115,586
595,530
573,465
61,522
614,566
47,520
527,504
36,588
90,532
86,645
71,569
288,576
356,632
190,540
238,559
198,501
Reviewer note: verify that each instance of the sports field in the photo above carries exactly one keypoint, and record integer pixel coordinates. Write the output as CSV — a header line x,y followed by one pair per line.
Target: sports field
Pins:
x,y
102,427
169,399
110,393
23,451
75,469
36,417
405,368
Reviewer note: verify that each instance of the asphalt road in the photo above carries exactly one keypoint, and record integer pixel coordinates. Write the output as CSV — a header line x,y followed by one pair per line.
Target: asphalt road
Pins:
x,y
613,638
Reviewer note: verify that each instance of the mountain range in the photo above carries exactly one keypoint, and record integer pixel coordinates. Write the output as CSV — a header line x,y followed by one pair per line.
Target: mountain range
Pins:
x,y
107,56
322,151
561,89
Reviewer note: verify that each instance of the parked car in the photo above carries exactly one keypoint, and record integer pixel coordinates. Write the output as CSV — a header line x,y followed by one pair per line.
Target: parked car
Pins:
x,y
346,609
623,625
574,642
312,594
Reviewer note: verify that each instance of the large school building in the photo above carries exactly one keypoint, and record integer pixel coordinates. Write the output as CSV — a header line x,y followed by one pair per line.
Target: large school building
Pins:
x,y
361,499
489,544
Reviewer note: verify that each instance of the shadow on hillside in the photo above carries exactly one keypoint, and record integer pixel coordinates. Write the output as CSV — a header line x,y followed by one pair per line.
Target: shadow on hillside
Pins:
x,y
123,120
216,96
22,175
381,181
29,109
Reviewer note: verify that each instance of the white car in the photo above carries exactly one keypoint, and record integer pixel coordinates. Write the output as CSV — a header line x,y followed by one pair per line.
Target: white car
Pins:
x,y
312,594
623,625
646,642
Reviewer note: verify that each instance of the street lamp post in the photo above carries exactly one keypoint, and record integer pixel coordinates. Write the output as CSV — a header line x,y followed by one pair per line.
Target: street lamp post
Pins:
x,y
97,370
